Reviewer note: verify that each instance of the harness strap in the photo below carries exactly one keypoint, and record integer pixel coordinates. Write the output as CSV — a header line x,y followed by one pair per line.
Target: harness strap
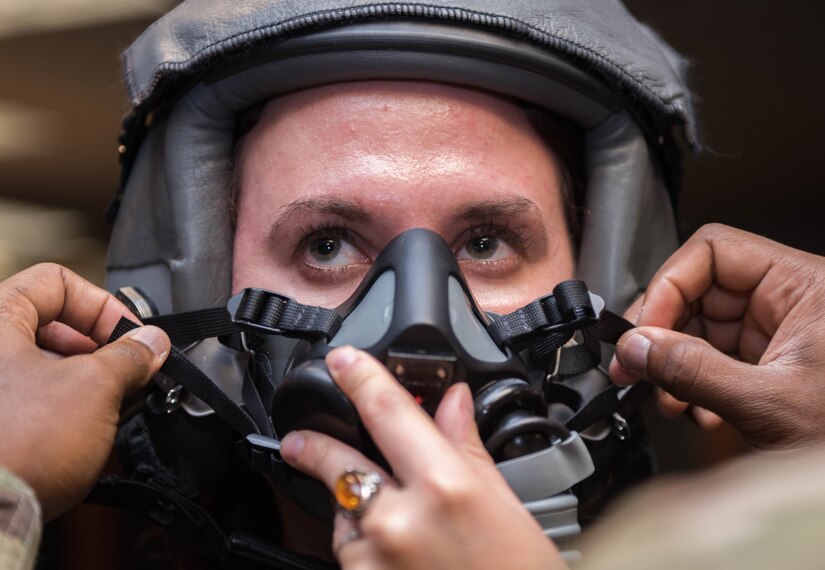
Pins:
x,y
160,504
267,312
549,321
184,371
600,407
252,311
272,556
192,326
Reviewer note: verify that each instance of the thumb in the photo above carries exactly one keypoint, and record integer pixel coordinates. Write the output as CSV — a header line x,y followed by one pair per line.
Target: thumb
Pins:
x,y
688,367
134,358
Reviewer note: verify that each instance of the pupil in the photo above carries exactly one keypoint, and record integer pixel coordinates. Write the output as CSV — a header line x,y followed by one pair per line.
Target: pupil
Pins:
x,y
484,247
325,249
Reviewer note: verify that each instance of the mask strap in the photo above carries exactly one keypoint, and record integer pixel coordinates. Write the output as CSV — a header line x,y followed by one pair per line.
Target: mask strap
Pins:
x,y
547,323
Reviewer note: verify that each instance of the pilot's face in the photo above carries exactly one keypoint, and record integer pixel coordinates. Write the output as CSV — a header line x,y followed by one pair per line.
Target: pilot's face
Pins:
x,y
330,175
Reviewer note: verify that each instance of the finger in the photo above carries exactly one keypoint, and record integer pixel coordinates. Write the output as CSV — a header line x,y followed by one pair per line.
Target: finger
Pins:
x,y
668,406
634,312
61,339
324,458
391,415
705,419
724,304
346,538
737,261
129,362
455,417
689,369
48,292
622,376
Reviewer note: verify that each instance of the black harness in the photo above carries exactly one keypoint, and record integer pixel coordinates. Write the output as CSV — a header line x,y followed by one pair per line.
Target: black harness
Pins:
x,y
541,329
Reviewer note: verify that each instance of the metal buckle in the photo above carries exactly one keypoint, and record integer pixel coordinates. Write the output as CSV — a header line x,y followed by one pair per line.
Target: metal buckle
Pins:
x,y
555,373
264,454
173,399
588,317
244,345
620,428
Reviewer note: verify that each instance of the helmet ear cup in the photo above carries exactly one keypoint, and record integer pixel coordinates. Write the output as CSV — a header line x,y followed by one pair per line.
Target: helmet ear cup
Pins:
x,y
512,420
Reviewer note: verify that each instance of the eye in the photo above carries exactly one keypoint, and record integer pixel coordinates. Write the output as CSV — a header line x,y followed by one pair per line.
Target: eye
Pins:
x,y
332,251
325,249
485,248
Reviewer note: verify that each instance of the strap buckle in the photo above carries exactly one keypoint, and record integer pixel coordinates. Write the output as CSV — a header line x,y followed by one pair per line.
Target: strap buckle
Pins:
x,y
173,399
264,454
577,318
552,375
257,310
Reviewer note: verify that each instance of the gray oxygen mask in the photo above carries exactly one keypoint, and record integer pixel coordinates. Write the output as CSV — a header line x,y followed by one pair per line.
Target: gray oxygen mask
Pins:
x,y
415,313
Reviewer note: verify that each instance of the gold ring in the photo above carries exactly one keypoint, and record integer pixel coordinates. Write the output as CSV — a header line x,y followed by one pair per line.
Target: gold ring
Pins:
x,y
355,489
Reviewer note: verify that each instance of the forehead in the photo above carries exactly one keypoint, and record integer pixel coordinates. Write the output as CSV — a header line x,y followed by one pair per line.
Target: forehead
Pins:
x,y
388,101
427,133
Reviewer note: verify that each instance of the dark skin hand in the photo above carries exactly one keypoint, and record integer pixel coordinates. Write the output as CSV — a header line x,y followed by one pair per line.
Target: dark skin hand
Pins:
x,y
754,352
60,386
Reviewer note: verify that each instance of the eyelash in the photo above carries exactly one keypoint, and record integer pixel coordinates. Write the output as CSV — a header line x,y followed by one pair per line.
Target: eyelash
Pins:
x,y
312,232
514,238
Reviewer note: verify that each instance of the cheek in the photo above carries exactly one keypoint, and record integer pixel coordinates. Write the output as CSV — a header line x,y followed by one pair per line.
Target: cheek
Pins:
x,y
534,280
251,263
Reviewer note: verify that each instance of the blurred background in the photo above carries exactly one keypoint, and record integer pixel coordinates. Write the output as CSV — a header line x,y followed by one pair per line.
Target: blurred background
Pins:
x,y
756,72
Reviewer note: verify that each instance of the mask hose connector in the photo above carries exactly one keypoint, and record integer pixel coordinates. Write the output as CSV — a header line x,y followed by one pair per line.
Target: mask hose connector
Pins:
x,y
512,420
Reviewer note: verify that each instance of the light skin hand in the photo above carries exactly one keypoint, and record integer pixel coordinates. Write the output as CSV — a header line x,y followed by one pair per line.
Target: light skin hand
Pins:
x,y
756,351
448,506
59,407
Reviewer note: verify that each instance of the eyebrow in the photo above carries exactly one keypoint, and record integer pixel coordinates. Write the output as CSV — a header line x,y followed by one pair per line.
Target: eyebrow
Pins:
x,y
353,211
486,209
323,205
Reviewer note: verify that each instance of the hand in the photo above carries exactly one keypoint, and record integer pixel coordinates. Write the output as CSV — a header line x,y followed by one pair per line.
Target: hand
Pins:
x,y
448,506
759,308
58,416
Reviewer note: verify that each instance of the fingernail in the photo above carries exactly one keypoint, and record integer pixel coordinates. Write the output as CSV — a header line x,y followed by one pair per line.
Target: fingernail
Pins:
x,y
341,358
633,355
152,337
291,446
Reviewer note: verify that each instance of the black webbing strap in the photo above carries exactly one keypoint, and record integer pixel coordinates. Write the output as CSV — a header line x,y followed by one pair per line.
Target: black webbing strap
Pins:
x,y
266,312
152,489
609,327
255,406
192,326
582,357
546,324
600,407
261,311
544,327
558,316
184,371
246,547
160,504
577,359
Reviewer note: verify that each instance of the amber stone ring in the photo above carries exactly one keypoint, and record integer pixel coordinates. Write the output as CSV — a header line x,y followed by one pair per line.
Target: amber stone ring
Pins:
x,y
355,489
